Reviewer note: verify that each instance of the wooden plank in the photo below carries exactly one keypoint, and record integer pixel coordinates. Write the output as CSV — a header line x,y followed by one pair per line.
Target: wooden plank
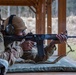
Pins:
x,y
40,17
37,20
32,9
61,24
49,18
16,2
33,1
45,73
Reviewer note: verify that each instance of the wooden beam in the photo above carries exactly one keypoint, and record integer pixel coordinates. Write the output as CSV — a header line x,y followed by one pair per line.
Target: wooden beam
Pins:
x,y
16,2
49,18
40,17
32,9
61,24
34,2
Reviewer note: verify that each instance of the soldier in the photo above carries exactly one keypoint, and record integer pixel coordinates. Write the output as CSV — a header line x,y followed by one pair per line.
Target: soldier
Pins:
x,y
24,48
3,62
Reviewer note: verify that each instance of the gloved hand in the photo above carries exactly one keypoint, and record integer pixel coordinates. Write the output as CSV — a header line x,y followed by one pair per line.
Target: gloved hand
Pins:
x,y
61,38
27,45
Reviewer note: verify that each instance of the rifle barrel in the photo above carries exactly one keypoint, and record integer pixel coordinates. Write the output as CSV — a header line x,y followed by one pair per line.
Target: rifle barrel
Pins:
x,y
53,36
71,36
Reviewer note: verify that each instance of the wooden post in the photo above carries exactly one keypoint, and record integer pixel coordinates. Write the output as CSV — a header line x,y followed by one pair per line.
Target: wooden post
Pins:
x,y
61,24
40,17
49,18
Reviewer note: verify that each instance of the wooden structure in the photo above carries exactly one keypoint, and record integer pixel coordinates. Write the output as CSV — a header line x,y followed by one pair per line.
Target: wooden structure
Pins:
x,y
41,7
47,73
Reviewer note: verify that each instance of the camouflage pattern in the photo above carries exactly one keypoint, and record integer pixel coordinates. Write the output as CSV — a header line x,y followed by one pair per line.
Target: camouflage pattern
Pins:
x,y
12,52
31,54
2,60
2,48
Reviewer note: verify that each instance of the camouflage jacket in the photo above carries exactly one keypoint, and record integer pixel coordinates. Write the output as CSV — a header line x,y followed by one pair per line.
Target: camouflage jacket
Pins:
x,y
2,48
11,52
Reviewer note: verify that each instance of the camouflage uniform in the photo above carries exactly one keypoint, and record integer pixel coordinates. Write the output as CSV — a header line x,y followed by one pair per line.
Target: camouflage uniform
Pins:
x,y
31,54
2,48
14,50
3,62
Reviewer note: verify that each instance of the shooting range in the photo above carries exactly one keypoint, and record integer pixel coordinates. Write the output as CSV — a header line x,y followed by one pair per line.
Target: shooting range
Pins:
x,y
43,8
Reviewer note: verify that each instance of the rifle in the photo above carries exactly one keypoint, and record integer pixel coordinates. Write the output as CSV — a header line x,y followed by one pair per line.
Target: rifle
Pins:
x,y
38,38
